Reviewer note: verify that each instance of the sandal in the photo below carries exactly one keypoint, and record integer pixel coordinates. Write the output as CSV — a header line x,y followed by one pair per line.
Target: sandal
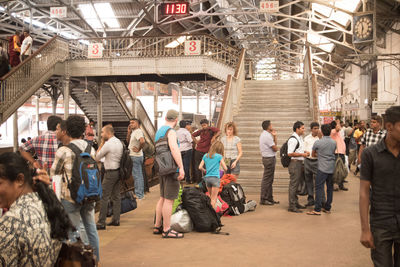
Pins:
x,y
313,212
173,233
157,230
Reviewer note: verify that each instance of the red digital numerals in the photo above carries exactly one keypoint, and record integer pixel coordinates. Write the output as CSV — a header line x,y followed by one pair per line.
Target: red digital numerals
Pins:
x,y
174,8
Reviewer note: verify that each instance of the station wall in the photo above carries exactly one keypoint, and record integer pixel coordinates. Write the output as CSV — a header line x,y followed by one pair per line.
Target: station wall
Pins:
x,y
352,95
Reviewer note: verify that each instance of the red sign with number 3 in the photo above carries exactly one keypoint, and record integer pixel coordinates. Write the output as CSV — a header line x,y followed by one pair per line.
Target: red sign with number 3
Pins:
x,y
192,47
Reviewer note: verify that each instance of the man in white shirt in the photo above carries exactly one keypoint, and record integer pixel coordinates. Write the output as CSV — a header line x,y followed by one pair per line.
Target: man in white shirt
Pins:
x,y
310,163
111,149
136,143
297,154
26,47
185,146
268,149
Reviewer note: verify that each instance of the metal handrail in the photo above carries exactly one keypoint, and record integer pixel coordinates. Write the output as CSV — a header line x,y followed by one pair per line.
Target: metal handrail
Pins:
x,y
141,112
20,79
151,47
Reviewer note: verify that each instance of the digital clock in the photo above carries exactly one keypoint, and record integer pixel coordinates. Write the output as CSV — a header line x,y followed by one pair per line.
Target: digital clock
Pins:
x,y
174,8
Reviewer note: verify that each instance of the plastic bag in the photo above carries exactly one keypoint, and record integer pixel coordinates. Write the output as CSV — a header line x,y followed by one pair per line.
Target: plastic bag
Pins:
x,y
181,222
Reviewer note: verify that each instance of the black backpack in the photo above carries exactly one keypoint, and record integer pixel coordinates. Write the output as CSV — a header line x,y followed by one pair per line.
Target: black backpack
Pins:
x,y
126,164
234,196
85,184
283,152
202,214
164,162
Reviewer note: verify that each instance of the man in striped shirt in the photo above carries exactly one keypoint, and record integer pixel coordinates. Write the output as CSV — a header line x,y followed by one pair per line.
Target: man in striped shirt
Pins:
x,y
372,136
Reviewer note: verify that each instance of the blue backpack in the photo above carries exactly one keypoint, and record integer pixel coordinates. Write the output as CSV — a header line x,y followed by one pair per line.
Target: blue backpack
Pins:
x,y
85,184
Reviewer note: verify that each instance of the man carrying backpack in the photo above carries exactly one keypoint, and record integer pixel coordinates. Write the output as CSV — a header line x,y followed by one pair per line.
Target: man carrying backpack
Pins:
x,y
111,148
297,154
169,184
64,165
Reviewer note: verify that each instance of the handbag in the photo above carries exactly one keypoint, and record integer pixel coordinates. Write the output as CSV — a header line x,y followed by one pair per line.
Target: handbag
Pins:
x,y
128,202
76,254
165,163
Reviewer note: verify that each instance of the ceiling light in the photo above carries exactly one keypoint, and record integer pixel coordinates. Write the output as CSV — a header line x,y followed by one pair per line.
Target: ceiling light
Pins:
x,y
104,12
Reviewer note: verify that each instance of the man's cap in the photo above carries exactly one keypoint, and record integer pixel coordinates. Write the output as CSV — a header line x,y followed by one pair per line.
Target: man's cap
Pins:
x,y
172,114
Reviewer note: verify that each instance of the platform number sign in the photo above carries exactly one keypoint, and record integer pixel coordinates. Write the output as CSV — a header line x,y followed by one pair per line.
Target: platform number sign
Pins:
x,y
192,48
95,50
269,6
58,12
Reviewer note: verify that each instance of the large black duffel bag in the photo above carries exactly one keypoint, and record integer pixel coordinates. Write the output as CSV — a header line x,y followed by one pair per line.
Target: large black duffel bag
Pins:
x,y
202,214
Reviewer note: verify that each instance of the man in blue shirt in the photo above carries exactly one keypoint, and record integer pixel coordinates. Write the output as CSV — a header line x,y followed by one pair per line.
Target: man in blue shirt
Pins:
x,y
169,184
324,149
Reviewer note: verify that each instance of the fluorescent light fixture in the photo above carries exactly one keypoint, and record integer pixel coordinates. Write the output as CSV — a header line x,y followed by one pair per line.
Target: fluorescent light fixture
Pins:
x,y
104,12
320,41
177,42
337,16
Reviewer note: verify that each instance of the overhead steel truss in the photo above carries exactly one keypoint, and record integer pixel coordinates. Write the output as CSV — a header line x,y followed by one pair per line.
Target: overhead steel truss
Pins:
x,y
281,35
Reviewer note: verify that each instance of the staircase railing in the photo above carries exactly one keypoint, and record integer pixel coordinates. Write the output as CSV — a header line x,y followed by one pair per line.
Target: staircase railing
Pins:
x,y
20,80
232,93
126,99
151,47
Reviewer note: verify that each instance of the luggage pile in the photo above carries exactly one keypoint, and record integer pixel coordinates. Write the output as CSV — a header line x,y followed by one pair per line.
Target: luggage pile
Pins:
x,y
196,213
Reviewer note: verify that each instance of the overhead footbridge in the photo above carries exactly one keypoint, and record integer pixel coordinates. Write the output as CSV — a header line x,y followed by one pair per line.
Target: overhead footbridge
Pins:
x,y
112,61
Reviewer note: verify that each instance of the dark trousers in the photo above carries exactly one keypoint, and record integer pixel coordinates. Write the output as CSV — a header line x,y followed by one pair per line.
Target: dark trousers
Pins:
x,y
111,189
198,156
310,171
187,159
268,179
386,242
320,181
295,172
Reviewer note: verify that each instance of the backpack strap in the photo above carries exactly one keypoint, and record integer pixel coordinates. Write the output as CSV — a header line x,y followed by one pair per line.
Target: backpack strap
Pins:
x,y
88,149
75,149
298,142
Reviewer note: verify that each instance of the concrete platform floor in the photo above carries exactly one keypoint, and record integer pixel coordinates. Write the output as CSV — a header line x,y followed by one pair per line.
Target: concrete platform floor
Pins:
x,y
269,236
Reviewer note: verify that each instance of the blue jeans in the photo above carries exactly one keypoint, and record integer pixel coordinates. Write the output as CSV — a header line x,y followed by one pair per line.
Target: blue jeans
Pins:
x,y
137,173
86,212
320,180
186,160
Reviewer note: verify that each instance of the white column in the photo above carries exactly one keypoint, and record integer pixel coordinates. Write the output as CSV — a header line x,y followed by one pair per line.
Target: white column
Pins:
x,y
66,98
365,84
156,105
99,111
210,115
15,130
37,113
180,102
197,102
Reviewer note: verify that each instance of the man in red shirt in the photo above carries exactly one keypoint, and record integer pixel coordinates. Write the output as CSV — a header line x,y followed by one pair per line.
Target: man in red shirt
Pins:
x,y
207,136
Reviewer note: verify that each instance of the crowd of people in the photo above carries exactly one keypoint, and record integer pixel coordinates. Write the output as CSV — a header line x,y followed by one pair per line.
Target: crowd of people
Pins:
x,y
314,162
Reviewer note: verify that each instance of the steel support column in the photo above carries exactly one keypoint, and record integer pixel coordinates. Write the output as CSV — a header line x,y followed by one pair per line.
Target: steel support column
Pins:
x,y
197,102
37,113
99,112
66,98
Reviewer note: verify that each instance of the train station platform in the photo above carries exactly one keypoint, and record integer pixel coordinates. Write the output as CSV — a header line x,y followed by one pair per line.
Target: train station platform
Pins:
x,y
269,236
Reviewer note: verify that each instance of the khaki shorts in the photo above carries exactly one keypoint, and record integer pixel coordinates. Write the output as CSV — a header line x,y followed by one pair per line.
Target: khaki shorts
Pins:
x,y
169,186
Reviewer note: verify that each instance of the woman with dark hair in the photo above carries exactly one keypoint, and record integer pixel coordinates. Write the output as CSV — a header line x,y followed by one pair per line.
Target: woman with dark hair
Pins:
x,y
35,224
